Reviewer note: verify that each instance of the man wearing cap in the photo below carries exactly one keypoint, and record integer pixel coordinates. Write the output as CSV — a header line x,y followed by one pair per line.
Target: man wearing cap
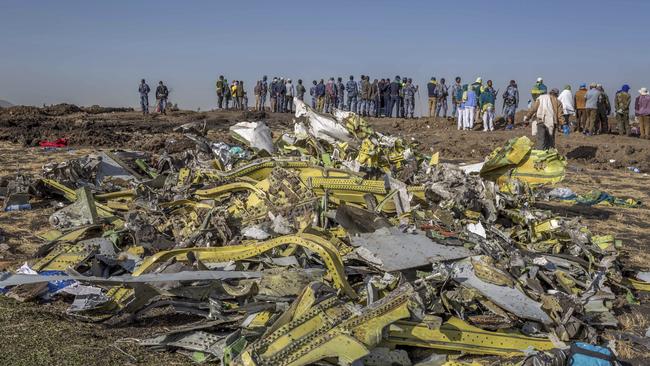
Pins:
x,y
622,104
642,112
548,109
433,99
579,102
538,89
591,109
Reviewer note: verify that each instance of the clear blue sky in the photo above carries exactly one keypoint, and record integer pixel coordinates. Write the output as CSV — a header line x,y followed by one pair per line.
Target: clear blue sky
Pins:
x,y
95,52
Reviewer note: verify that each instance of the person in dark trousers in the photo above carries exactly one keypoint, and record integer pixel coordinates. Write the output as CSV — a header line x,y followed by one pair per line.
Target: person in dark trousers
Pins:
x,y
144,97
394,92
221,91
162,93
300,91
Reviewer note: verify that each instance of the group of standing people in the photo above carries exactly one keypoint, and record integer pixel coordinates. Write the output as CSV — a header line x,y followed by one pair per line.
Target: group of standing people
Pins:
x,y
591,107
469,102
162,94
234,92
377,98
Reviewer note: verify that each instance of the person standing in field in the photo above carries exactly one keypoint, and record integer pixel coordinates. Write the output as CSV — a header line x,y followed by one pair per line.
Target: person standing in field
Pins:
x,y
510,103
642,112
604,110
162,93
221,91
579,101
547,109
442,91
432,87
622,104
568,110
591,109
300,91
144,90
456,97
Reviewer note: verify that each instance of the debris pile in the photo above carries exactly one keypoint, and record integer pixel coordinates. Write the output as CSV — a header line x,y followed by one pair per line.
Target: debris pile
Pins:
x,y
333,243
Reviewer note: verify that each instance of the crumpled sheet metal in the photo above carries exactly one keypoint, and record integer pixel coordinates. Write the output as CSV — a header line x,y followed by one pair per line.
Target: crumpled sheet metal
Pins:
x,y
254,134
509,298
456,335
392,250
518,161
334,269
326,329
321,126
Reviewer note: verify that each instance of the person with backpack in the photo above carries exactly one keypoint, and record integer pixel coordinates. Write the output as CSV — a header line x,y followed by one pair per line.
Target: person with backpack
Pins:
x,y
622,104
162,93
352,89
221,91
144,90
510,103
456,92
441,94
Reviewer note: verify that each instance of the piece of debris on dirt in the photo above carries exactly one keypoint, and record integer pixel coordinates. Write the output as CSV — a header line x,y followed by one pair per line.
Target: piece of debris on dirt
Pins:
x,y
329,243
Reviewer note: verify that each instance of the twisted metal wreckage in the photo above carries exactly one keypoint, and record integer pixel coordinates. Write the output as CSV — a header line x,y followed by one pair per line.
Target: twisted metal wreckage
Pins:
x,y
334,243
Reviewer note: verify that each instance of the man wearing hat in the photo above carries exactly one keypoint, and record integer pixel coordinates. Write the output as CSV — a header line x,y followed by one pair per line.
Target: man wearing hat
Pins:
x,y
591,108
579,103
642,112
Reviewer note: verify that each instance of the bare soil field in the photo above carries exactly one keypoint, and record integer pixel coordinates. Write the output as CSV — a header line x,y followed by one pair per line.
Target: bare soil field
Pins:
x,y
36,334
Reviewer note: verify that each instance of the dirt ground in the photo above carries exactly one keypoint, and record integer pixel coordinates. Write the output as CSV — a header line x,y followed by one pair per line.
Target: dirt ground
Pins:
x,y
36,334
